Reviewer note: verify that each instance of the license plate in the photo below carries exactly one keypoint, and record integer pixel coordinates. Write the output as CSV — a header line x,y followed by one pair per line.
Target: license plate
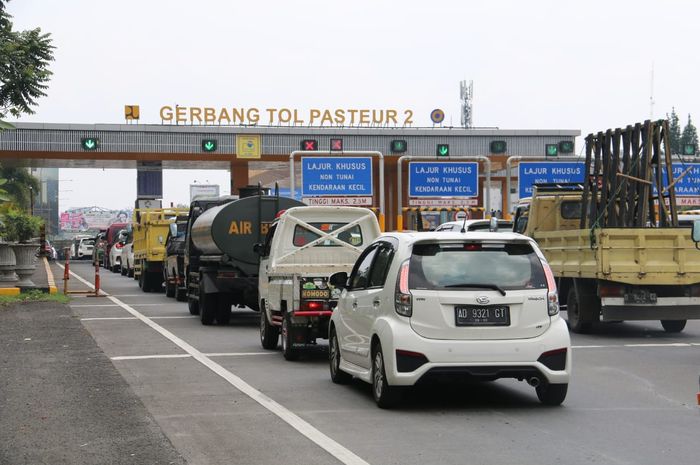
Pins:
x,y
476,315
640,296
315,294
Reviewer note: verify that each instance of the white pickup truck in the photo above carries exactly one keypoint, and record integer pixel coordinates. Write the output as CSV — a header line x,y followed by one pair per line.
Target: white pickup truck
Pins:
x,y
302,248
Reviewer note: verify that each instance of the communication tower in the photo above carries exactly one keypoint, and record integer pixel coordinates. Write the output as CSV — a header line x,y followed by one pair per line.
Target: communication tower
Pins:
x,y
466,93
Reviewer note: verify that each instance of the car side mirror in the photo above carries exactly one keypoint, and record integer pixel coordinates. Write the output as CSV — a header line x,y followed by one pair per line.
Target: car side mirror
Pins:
x,y
339,280
173,229
258,248
696,233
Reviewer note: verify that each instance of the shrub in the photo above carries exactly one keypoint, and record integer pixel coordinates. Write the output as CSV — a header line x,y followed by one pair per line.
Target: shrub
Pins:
x,y
20,227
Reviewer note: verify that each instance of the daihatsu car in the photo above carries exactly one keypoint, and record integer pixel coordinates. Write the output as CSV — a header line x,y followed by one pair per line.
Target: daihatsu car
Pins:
x,y
433,305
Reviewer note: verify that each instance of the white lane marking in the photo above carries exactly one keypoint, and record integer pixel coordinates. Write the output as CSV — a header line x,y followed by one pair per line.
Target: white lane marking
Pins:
x,y
125,295
109,318
637,346
148,357
95,305
222,354
341,453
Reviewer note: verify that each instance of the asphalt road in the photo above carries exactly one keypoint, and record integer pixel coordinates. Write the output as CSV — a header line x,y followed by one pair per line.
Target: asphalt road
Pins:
x,y
220,398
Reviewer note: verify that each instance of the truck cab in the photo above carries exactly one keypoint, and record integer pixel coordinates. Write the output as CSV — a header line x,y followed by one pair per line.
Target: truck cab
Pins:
x,y
302,248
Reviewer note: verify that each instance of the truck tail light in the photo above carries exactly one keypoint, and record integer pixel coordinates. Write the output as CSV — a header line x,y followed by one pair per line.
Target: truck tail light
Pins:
x,y
552,297
313,306
402,296
611,290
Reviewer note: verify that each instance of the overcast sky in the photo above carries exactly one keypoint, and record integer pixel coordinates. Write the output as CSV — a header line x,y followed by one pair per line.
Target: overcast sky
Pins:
x,y
535,64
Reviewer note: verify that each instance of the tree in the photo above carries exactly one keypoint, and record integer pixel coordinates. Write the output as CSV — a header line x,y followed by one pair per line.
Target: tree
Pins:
x,y
690,135
24,67
674,131
20,185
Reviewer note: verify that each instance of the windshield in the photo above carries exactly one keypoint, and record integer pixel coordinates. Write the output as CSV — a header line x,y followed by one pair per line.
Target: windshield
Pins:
x,y
303,236
507,265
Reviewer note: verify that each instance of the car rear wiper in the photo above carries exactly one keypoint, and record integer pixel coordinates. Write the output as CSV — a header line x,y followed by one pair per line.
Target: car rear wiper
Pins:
x,y
487,286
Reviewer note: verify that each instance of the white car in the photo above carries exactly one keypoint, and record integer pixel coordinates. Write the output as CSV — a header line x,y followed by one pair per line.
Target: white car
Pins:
x,y
430,305
475,225
85,248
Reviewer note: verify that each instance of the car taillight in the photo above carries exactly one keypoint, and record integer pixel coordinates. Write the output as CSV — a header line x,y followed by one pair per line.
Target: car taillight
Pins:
x,y
402,296
552,298
313,305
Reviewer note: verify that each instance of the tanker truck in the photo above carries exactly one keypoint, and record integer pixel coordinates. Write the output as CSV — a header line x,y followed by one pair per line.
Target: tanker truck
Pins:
x,y
221,266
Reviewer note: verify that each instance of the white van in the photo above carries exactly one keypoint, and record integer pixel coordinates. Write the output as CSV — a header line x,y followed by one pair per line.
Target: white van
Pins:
x,y
303,247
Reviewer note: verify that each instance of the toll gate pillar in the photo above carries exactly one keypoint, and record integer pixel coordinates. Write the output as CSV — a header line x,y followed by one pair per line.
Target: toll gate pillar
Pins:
x,y
239,175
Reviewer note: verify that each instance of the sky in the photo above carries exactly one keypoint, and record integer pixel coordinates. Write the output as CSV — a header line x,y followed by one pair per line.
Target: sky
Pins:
x,y
535,64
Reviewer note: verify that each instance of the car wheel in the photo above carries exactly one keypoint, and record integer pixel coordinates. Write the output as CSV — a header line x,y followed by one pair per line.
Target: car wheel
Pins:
x,y
193,306
289,352
337,375
180,294
207,308
577,316
269,334
385,396
673,326
223,310
551,394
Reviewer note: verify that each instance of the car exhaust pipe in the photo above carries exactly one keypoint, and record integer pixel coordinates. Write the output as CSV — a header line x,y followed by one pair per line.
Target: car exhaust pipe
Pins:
x,y
534,381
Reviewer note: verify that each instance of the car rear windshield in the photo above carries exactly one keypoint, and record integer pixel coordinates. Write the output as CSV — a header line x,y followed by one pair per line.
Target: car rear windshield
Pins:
x,y
303,236
451,265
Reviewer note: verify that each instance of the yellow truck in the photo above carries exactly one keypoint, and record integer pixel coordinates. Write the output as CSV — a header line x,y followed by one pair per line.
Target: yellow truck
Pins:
x,y
615,274
614,240
150,232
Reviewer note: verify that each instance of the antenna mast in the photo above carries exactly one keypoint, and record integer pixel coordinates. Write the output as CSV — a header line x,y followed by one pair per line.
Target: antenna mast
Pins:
x,y
651,94
466,93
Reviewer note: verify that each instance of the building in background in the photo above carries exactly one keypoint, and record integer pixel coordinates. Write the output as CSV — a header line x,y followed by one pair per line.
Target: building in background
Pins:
x,y
46,200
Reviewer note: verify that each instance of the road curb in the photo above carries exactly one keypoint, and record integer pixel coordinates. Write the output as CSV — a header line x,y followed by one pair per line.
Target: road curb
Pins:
x,y
52,289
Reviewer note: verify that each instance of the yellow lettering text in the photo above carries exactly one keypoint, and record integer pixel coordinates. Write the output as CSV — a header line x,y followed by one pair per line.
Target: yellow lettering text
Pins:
x,y
166,113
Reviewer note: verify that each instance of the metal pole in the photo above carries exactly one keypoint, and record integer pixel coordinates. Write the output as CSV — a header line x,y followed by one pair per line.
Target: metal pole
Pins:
x,y
399,183
371,153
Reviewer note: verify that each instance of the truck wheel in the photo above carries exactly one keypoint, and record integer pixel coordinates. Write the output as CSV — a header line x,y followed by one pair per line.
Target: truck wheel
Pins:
x,y
289,352
180,294
337,375
269,334
207,308
223,310
123,271
673,326
193,306
385,396
156,282
142,282
551,394
577,316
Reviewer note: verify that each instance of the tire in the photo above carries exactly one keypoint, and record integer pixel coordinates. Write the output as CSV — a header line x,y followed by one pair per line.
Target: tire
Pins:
x,y
207,308
156,282
115,268
337,375
673,326
577,317
269,334
169,288
193,306
124,271
142,281
180,294
289,352
551,394
223,310
385,396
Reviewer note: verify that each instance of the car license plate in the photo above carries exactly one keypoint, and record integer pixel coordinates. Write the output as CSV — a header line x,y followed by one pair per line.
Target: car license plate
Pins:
x,y
640,296
315,294
477,315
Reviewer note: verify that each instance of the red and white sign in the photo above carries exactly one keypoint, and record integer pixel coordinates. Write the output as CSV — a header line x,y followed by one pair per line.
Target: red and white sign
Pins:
x,y
341,201
687,201
453,202
460,215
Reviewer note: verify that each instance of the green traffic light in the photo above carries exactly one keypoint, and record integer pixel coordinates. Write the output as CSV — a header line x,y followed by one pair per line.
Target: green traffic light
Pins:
x,y
398,146
443,150
551,150
209,145
689,149
89,143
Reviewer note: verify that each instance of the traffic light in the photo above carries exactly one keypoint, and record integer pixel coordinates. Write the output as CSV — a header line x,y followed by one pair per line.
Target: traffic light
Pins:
x,y
336,145
209,145
551,150
498,146
398,146
89,143
309,144
566,146
443,150
689,149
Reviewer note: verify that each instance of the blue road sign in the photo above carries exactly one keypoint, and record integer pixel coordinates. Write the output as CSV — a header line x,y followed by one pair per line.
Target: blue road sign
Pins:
x,y
443,179
336,176
530,173
688,185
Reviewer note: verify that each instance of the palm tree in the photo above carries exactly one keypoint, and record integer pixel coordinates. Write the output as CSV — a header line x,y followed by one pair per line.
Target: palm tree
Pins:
x,y
20,185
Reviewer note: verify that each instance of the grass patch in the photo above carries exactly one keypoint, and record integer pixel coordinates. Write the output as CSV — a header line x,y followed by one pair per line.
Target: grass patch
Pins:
x,y
33,296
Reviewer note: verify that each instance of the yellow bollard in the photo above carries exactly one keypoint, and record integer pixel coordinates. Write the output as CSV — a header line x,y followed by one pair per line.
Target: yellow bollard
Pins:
x,y
399,222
